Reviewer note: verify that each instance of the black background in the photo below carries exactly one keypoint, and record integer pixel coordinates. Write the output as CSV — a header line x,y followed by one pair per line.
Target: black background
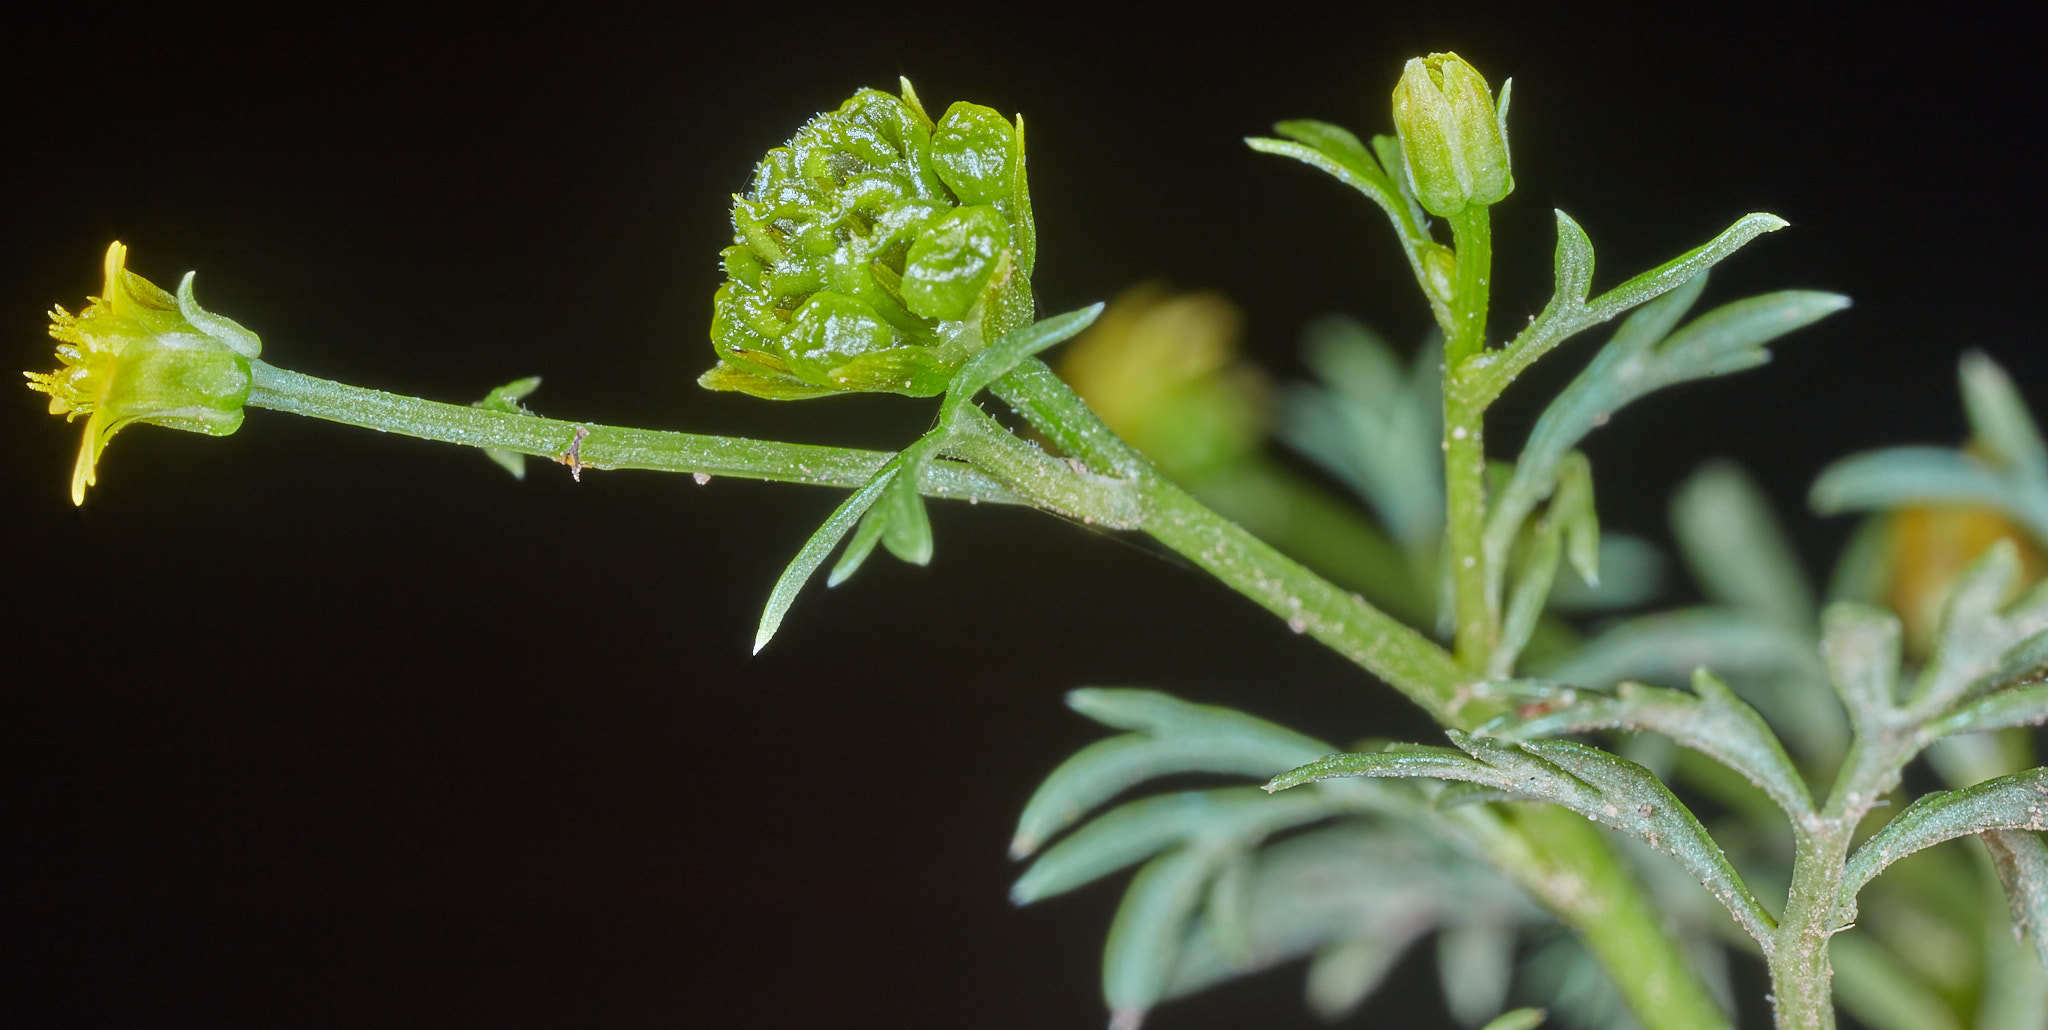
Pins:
x,y
313,727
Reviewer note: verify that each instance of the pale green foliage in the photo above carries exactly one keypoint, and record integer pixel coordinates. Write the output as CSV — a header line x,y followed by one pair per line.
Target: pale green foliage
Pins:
x,y
883,251
2015,802
2009,472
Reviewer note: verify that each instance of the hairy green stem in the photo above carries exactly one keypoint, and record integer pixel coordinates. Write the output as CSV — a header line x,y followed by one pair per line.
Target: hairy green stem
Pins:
x,y
1053,408
601,446
1465,441
1802,974
1308,603
1041,479
1802,977
1322,530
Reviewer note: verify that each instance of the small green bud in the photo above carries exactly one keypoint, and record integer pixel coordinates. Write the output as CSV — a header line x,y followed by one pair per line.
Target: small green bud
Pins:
x,y
876,251
1454,142
1439,271
139,355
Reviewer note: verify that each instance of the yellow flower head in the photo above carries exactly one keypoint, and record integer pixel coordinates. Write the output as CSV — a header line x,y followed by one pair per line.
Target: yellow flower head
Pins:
x,y
138,354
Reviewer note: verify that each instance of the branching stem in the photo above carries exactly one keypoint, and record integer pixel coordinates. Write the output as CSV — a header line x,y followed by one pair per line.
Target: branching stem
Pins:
x,y
1568,866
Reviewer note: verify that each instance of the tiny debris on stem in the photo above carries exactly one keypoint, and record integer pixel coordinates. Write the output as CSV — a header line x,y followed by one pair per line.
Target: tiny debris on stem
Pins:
x,y
574,459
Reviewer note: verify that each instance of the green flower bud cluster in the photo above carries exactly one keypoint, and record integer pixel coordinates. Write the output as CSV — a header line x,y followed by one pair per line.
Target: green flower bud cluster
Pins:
x,y
877,251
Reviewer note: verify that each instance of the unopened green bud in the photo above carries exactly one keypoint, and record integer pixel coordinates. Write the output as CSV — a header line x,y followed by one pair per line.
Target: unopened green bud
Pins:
x,y
1454,142
1439,270
138,354
876,251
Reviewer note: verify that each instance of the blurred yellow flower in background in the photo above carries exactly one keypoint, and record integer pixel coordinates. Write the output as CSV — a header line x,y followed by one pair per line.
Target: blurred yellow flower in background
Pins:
x,y
1929,547
1162,369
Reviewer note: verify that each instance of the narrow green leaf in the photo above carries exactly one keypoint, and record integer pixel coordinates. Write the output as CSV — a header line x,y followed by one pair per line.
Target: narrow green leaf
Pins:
x,y
1535,566
1024,225
1373,425
507,398
1476,962
1338,143
897,517
1153,711
1975,640
1440,763
1569,528
2015,802
2021,859
1646,355
1613,378
510,460
1604,788
1519,1019
1898,476
1388,883
857,550
1135,831
1145,937
1776,665
1999,419
815,550
1377,189
2023,663
1861,646
906,529
1003,356
1707,345
1388,149
1736,548
1573,504
1355,362
1674,273
1342,975
1713,721
1229,907
2021,706
1560,322
1631,574
1226,742
1885,992
1634,802
1863,567
1571,267
2015,980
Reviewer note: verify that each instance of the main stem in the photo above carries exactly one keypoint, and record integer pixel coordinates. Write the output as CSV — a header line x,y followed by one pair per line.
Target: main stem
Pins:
x,y
1802,973
1465,440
